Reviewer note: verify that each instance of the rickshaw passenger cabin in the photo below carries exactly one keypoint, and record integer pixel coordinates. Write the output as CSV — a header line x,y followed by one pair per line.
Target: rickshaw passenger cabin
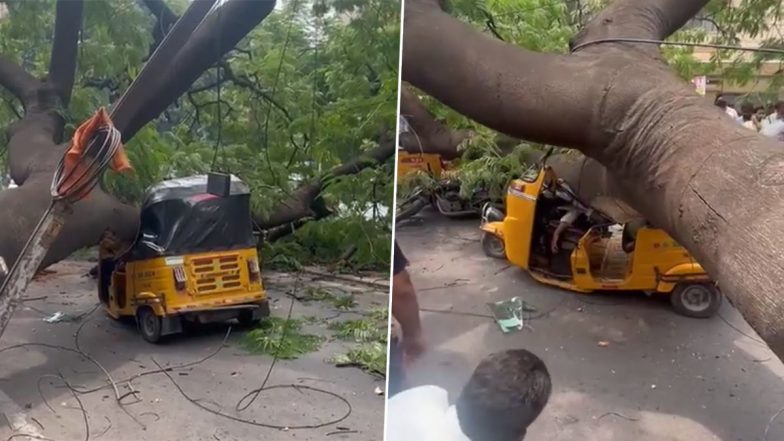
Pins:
x,y
594,256
194,260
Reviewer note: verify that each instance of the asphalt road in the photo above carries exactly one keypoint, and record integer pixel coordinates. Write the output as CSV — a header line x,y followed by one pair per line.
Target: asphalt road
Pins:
x,y
661,376
34,400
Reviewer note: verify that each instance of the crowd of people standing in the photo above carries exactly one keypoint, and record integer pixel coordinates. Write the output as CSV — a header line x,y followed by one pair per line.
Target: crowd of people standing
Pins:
x,y
767,121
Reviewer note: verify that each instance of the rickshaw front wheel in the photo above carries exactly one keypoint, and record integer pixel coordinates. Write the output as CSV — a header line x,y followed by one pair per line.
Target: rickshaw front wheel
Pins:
x,y
698,300
493,246
149,324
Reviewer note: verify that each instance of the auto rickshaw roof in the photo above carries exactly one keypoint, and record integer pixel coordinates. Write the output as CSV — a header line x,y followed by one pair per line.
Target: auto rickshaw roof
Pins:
x,y
180,217
187,188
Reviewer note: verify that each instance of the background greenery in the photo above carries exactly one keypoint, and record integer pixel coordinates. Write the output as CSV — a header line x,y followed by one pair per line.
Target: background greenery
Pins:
x,y
320,85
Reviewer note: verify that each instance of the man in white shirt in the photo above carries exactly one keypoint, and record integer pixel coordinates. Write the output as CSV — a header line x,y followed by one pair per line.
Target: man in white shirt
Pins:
x,y
778,113
773,125
721,102
505,394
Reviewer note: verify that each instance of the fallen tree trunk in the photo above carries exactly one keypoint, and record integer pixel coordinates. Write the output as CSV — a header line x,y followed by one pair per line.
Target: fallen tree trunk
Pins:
x,y
712,184
426,135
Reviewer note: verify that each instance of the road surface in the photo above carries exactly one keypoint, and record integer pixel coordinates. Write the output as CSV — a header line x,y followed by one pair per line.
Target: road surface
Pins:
x,y
33,400
661,377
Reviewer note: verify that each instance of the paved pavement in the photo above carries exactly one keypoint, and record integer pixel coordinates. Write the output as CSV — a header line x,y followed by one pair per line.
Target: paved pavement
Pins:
x,y
662,377
34,401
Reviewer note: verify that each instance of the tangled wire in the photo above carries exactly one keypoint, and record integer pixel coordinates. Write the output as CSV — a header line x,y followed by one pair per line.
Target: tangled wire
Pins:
x,y
122,398
80,170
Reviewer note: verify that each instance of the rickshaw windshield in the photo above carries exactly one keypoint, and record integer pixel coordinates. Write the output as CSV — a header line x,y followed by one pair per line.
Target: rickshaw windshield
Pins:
x,y
179,217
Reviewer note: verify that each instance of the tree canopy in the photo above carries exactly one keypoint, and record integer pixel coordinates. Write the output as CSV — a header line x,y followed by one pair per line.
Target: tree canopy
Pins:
x,y
299,96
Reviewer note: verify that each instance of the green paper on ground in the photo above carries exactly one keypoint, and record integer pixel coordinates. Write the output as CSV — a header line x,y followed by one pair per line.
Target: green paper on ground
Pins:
x,y
508,314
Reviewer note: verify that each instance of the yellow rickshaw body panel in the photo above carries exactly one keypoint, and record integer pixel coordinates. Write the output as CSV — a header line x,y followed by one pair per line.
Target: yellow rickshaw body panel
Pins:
x,y
408,163
213,280
495,228
521,197
657,263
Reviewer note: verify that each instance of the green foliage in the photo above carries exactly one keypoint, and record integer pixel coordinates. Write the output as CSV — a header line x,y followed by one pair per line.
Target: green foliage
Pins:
x,y
370,357
345,302
283,338
326,241
493,171
370,337
319,86
370,329
318,294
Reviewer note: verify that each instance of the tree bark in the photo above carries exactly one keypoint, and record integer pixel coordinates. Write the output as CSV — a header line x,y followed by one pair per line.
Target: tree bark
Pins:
x,y
427,135
712,184
218,34
164,20
62,64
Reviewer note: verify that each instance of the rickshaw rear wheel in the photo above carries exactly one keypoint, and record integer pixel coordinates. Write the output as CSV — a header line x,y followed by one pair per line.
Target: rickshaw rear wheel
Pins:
x,y
697,300
149,324
493,246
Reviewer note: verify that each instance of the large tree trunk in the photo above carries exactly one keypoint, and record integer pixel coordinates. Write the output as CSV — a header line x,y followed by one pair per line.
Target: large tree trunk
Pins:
x,y
712,184
36,141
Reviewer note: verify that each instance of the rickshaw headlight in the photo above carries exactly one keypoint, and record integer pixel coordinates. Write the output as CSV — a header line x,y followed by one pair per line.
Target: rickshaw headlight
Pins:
x,y
253,270
179,278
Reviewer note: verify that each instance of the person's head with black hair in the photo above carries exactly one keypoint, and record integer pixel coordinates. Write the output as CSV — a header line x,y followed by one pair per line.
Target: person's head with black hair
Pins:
x,y
506,393
720,101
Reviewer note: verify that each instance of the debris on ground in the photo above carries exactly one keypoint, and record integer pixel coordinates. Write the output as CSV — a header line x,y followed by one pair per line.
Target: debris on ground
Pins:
x,y
603,343
508,314
54,318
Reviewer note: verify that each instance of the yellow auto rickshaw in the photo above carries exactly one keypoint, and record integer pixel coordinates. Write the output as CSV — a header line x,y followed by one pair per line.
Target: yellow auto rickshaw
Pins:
x,y
194,260
596,255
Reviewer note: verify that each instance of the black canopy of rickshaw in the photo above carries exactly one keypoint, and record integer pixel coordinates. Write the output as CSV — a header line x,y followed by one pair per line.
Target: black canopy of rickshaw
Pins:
x,y
179,216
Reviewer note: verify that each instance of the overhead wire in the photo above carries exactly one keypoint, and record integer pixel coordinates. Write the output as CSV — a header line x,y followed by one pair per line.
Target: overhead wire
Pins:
x,y
218,82
294,10
678,43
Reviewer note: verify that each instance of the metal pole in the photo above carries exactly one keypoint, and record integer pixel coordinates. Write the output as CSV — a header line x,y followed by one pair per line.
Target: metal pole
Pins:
x,y
32,255
30,259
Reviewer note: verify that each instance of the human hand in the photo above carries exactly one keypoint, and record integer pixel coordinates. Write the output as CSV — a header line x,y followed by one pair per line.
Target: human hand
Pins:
x,y
554,247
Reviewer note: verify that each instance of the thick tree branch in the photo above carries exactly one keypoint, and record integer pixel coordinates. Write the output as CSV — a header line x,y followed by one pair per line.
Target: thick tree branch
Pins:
x,y
62,64
427,135
17,81
652,19
502,86
217,35
164,20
